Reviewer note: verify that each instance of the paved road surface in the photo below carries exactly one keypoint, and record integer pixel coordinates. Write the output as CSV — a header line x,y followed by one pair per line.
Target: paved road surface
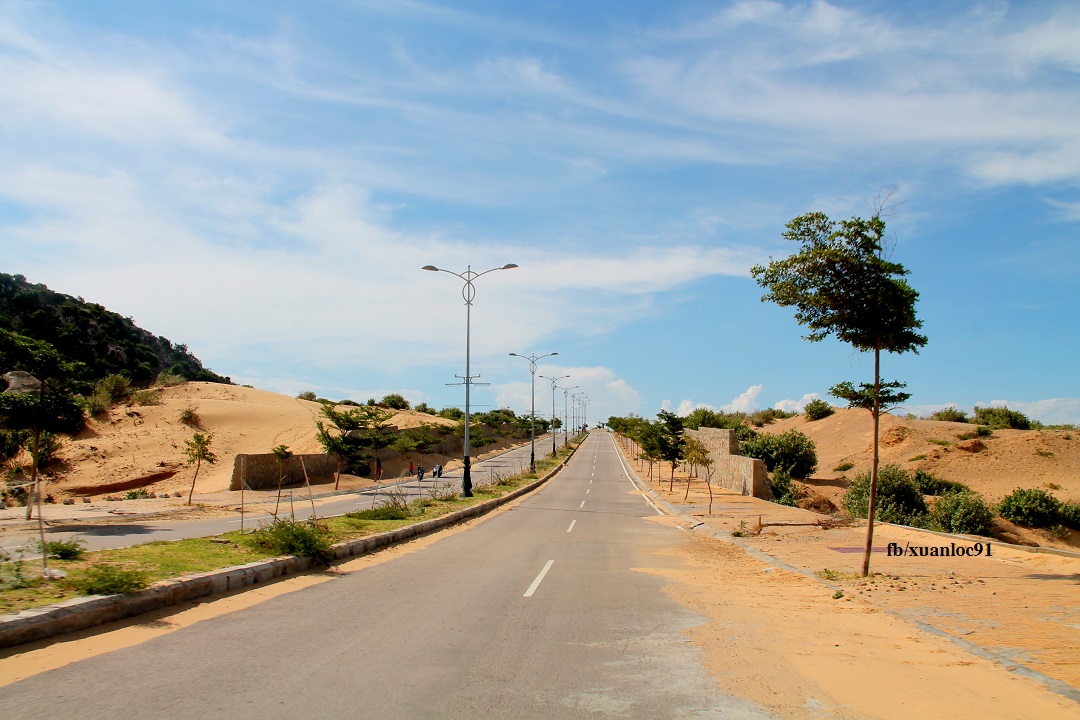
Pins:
x,y
106,535
540,611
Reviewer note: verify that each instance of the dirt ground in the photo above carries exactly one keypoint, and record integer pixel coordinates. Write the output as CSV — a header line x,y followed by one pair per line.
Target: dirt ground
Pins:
x,y
956,637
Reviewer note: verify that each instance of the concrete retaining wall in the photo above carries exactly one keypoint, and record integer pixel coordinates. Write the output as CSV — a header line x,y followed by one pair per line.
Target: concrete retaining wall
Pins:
x,y
261,471
731,470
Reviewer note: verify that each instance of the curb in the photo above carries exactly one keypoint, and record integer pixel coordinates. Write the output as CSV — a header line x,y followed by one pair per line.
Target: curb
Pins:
x,y
85,612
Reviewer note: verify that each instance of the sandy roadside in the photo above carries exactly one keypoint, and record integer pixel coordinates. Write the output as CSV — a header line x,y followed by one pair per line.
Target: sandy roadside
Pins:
x,y
780,638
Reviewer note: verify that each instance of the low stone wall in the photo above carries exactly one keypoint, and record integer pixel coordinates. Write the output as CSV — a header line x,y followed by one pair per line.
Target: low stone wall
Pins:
x,y
262,471
731,470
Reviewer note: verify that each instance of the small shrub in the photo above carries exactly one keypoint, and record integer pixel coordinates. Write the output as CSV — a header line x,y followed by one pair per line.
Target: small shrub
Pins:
x,y
136,494
190,416
844,467
784,492
930,484
48,449
290,537
95,405
1059,531
838,594
963,512
950,414
942,443
106,579
817,409
146,397
348,402
1001,418
898,497
1030,507
768,416
917,458
1044,453
1069,512
71,549
307,395
113,388
169,379
983,431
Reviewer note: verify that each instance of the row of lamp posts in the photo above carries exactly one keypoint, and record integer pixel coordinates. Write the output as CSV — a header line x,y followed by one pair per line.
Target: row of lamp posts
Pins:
x,y
468,293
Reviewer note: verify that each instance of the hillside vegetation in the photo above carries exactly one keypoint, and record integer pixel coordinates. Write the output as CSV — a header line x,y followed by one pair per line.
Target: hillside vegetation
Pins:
x,y
91,341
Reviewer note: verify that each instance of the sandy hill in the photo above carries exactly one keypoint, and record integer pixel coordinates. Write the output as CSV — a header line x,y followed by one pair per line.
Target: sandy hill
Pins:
x,y
993,466
141,446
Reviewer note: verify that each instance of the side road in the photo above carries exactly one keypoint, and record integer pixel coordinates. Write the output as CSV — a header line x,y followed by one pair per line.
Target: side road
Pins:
x,y
85,612
1002,603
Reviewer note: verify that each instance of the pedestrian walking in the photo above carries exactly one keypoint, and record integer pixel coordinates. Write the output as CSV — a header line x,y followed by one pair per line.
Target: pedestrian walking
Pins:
x,y
412,470
378,470
436,472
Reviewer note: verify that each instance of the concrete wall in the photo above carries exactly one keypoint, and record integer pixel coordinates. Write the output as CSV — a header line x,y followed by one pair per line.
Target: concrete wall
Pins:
x,y
261,471
731,470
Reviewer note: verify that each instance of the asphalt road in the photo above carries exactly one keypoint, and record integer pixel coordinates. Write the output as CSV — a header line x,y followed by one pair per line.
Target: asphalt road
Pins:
x,y
112,534
540,611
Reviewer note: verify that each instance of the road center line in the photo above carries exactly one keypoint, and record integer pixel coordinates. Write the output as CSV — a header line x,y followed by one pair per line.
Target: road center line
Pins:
x,y
572,524
539,579
586,491
582,504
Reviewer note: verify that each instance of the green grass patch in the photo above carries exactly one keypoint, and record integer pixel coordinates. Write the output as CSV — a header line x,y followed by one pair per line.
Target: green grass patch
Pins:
x,y
844,467
942,443
917,458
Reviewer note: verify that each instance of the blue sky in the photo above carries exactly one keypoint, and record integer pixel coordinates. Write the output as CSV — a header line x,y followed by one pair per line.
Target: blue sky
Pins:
x,y
264,180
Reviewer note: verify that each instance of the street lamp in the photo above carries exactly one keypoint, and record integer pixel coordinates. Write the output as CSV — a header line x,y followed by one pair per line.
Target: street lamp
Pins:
x,y
566,413
532,421
553,380
468,292
577,399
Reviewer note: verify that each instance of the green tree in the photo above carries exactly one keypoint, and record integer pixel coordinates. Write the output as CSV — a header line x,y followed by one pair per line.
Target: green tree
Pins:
x,y
841,283
671,442
281,454
395,401
197,451
352,436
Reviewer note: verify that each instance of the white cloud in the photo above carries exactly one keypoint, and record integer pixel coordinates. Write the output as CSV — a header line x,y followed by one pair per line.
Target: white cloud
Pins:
x,y
744,402
796,405
685,407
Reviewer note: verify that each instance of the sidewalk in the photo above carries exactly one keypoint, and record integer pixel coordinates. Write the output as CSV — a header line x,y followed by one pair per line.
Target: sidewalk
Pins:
x,y
1016,607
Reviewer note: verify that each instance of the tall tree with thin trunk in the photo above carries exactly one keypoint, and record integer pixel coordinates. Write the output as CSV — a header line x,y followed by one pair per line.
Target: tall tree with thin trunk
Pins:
x,y
841,283
197,451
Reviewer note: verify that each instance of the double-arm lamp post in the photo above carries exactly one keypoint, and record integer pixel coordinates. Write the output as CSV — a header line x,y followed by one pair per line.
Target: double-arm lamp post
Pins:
x,y
553,380
566,413
532,421
468,292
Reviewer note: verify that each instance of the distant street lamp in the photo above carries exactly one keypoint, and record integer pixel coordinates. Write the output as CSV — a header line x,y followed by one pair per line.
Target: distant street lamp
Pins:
x,y
553,380
532,421
468,292
566,413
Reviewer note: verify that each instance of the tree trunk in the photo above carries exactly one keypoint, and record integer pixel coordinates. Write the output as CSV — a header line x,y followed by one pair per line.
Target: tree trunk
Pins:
x,y
671,481
198,464
874,465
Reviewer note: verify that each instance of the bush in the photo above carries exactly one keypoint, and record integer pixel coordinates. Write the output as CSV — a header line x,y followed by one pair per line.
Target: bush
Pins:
x,y
950,414
190,416
930,484
425,408
395,401
169,379
1030,507
963,512
290,537
983,431
899,499
1069,512
792,450
113,388
72,549
1001,418
146,397
307,395
768,416
783,490
452,413
105,579
817,409
139,494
